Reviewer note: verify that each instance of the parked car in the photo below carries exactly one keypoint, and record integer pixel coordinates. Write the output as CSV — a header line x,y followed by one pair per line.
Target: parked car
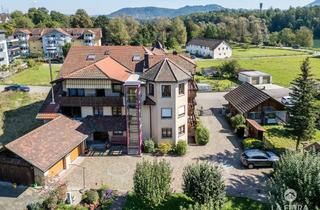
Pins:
x,y
258,158
287,100
17,88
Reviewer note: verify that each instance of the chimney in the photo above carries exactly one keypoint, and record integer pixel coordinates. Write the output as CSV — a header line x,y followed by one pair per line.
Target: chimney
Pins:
x,y
175,52
146,60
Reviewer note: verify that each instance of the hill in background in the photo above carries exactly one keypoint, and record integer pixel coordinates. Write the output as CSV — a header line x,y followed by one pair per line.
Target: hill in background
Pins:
x,y
315,3
157,12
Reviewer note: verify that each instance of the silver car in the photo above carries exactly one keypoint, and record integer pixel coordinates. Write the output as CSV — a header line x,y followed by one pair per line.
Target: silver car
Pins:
x,y
257,158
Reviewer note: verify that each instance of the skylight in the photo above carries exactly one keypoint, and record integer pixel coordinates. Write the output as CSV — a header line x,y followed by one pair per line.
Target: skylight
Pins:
x,y
136,58
91,57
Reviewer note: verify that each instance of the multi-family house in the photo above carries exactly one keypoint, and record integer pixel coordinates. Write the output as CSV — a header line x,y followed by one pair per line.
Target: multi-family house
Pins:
x,y
13,48
104,96
211,48
4,58
124,94
49,42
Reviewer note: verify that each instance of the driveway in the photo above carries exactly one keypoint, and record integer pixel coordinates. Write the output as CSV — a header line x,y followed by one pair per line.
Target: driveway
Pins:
x,y
222,150
33,89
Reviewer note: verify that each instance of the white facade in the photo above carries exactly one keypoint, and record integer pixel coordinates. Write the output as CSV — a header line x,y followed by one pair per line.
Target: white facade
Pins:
x,y
223,50
53,43
255,77
4,58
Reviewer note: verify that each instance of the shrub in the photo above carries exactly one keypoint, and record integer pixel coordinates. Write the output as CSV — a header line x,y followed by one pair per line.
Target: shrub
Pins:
x,y
203,183
165,147
35,206
238,121
181,148
51,202
31,63
202,135
251,143
90,197
198,206
300,172
149,146
152,182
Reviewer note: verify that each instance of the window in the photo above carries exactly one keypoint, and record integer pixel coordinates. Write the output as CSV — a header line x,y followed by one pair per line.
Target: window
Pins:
x,y
76,92
91,57
181,89
151,89
166,113
166,91
116,111
100,93
182,130
98,111
181,111
116,88
166,132
117,133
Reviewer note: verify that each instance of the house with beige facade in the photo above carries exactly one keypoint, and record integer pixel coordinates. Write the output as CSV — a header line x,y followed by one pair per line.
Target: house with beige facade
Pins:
x,y
49,42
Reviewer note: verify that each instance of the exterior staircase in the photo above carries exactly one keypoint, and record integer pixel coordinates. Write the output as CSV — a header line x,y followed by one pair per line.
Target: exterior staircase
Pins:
x,y
133,113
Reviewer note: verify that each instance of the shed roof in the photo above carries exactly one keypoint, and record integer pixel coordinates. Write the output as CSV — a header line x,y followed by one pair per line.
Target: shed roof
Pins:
x,y
254,73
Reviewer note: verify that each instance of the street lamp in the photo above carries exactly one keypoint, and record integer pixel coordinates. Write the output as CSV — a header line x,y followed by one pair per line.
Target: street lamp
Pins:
x,y
83,175
51,50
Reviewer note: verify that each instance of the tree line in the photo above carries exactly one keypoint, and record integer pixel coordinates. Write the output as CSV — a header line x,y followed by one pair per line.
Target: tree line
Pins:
x,y
295,26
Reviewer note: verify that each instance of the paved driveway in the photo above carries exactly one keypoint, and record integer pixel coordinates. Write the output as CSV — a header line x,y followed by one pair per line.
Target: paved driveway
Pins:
x,y
223,150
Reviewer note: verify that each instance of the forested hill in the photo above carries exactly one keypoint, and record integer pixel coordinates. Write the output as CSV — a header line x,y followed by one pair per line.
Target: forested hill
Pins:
x,y
315,3
156,12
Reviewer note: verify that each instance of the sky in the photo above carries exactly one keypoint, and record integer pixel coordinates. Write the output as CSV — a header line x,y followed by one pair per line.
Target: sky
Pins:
x,y
95,7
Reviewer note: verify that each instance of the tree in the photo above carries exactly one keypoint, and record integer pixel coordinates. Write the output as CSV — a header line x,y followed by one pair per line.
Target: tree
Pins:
x,y
66,49
274,39
152,182
81,19
117,32
300,172
204,184
287,37
60,18
23,22
202,135
230,69
211,31
303,112
193,30
102,22
304,37
179,31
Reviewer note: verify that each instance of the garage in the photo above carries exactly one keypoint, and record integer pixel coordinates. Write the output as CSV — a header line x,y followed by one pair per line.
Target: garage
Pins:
x,y
43,153
75,153
57,168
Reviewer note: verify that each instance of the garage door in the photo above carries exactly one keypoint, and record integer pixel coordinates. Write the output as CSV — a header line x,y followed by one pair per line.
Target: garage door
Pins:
x,y
255,80
75,153
57,168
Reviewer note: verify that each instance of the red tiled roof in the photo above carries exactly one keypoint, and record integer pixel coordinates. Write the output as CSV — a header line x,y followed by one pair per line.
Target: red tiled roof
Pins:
x,y
46,145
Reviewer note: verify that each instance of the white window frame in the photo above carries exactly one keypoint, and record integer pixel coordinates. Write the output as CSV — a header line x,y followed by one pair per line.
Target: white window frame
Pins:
x,y
165,113
182,111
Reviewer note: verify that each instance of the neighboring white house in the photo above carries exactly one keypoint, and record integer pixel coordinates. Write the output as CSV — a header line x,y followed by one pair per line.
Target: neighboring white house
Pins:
x,y
255,77
216,49
4,59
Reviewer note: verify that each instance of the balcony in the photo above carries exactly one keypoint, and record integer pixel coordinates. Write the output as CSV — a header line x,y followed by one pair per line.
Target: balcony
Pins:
x,y
88,37
24,45
50,38
23,38
91,101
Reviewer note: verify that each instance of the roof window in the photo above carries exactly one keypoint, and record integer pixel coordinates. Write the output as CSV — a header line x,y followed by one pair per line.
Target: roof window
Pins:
x,y
136,58
91,57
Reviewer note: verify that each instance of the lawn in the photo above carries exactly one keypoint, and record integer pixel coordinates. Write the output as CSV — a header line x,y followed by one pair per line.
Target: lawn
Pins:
x,y
277,137
256,52
17,114
217,84
176,200
39,75
283,70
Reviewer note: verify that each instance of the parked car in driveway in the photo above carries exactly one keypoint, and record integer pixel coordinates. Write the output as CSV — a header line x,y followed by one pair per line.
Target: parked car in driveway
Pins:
x,y
17,88
287,100
258,158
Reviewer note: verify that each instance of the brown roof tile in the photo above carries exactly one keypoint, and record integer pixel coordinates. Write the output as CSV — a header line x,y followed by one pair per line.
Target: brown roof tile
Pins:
x,y
246,97
92,124
46,145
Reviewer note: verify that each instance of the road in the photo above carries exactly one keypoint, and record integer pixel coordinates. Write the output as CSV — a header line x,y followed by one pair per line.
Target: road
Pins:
x,y
33,89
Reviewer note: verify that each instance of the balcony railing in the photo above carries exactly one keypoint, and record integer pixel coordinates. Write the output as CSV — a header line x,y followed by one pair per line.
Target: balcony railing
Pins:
x,y
91,101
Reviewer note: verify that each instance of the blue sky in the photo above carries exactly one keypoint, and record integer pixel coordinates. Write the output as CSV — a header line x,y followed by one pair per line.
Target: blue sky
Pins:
x,y
107,6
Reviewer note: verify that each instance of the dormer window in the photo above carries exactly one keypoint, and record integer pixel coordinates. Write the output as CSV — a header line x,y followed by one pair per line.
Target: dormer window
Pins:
x,y
91,57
